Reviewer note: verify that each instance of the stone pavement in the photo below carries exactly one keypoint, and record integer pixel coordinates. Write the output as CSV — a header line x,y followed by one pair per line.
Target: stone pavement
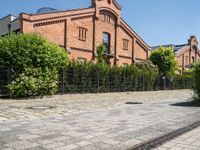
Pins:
x,y
76,103
188,141
106,122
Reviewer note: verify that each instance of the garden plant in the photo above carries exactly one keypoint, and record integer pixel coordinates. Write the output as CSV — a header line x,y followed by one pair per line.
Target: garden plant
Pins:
x,y
35,62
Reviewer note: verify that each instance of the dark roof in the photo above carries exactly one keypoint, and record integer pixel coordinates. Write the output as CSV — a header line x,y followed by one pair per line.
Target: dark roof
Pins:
x,y
175,48
45,10
7,16
179,47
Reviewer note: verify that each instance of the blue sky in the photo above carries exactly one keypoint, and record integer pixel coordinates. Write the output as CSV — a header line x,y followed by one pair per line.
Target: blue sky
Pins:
x,y
156,21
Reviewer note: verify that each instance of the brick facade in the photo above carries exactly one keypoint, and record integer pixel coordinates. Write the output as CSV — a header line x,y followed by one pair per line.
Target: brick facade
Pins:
x,y
80,32
188,55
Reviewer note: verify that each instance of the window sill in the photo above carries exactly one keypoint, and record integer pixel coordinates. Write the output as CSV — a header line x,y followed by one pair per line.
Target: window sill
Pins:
x,y
126,49
82,40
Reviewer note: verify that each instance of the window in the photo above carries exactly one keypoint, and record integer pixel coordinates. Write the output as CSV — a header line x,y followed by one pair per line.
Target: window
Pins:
x,y
106,41
186,59
193,59
82,33
125,44
106,18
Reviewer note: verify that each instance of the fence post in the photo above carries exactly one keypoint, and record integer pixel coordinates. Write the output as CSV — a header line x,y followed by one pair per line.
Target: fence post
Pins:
x,y
63,78
164,83
9,75
158,83
171,81
143,82
98,84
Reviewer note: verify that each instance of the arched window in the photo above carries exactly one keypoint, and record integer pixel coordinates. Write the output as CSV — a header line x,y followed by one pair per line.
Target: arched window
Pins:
x,y
106,41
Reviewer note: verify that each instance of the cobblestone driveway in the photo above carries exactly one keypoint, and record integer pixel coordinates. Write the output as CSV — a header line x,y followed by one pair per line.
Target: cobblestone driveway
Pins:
x,y
76,103
84,121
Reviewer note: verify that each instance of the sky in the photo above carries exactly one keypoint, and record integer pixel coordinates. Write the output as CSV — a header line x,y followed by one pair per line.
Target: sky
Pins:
x,y
156,21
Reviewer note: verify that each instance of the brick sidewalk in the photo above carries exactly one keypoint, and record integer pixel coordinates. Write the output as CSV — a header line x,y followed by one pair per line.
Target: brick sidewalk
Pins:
x,y
188,141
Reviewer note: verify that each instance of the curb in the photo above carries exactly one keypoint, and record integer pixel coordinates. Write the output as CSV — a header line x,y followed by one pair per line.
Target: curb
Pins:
x,y
153,143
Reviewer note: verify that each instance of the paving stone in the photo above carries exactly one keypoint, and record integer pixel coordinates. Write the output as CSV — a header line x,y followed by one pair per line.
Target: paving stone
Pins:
x,y
83,143
102,145
68,147
27,136
44,141
111,142
88,147
7,148
23,145
132,142
188,141
121,138
176,148
36,148
53,145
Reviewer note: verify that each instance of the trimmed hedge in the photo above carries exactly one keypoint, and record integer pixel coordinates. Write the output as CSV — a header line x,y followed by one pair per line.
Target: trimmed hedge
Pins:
x,y
182,82
89,77
92,78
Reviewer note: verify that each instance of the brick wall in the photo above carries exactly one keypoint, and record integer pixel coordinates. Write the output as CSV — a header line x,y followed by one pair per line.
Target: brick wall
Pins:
x,y
62,28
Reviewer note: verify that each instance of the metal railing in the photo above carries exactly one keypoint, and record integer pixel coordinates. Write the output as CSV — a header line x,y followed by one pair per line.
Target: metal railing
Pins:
x,y
72,81
75,81
5,79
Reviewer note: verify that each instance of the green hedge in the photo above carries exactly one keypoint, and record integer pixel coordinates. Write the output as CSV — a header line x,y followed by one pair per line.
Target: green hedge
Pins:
x,y
196,74
89,77
182,82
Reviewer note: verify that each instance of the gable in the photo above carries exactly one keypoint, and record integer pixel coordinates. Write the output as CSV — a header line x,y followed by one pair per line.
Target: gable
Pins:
x,y
110,5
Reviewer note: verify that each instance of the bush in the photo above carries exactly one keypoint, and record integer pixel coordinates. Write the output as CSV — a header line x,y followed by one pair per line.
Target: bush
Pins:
x,y
164,58
89,77
196,74
35,62
100,53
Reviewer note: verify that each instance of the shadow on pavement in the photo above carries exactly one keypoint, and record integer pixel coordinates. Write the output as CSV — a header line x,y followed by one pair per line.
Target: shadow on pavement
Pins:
x,y
186,104
133,103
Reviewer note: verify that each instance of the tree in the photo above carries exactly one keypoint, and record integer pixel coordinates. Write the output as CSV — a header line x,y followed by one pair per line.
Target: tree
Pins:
x,y
100,53
35,62
164,58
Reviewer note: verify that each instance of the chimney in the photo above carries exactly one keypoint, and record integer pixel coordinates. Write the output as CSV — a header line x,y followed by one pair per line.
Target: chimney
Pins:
x,y
193,40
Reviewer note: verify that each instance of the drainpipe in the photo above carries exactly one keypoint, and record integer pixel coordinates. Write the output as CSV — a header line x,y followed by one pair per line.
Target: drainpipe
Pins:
x,y
9,28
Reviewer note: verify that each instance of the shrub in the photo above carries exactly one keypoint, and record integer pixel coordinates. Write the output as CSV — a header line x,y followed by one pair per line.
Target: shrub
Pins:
x,y
196,74
35,62
88,77
100,52
164,58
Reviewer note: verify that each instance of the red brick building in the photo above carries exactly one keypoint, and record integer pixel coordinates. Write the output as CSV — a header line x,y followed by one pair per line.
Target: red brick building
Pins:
x,y
81,31
186,54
